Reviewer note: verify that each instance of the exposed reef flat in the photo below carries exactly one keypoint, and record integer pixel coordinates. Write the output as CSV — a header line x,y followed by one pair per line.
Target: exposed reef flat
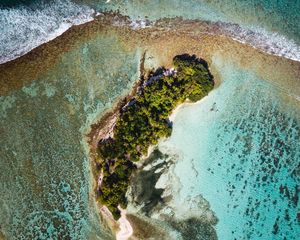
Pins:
x,y
170,36
60,112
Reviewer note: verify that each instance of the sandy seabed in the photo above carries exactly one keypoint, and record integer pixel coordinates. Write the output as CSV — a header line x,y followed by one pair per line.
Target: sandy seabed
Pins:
x,y
161,43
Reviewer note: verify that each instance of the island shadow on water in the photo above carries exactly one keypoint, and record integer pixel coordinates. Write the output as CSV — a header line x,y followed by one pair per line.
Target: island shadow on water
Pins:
x,y
150,201
141,122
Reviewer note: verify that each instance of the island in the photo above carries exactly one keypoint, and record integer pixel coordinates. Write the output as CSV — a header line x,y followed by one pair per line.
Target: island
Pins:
x,y
143,120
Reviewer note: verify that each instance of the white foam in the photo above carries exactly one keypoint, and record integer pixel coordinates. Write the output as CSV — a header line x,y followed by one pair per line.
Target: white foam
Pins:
x,y
138,24
134,24
24,28
269,42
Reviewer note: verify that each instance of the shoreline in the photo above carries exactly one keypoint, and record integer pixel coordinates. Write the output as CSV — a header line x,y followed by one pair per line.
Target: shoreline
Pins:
x,y
57,40
102,129
193,87
125,228
98,130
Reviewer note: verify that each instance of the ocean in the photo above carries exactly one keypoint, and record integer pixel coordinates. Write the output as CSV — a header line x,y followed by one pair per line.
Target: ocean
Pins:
x,y
238,149
269,25
46,180
230,170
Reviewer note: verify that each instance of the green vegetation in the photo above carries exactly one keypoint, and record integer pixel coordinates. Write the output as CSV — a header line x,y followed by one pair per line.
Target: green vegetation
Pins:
x,y
144,120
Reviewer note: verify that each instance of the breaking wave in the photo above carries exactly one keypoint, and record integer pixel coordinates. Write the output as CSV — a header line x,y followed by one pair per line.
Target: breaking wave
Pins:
x,y
26,27
269,42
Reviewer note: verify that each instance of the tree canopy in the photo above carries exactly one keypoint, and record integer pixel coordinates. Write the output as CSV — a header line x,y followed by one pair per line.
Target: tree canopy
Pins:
x,y
144,120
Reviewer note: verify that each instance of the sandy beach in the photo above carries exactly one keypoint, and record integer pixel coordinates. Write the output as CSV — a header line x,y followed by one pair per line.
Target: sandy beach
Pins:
x,y
125,228
162,42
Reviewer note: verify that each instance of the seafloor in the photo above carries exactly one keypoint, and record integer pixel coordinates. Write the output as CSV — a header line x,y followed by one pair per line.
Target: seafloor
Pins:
x,y
237,150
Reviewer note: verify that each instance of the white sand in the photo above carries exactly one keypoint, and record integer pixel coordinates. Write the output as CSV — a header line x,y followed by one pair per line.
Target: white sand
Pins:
x,y
100,179
106,213
125,228
176,110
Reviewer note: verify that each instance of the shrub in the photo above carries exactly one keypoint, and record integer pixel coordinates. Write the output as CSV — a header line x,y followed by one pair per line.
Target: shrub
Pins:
x,y
145,120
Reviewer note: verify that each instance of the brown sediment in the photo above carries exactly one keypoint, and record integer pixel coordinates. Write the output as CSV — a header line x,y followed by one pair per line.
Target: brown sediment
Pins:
x,y
160,43
2,236
104,126
32,66
166,38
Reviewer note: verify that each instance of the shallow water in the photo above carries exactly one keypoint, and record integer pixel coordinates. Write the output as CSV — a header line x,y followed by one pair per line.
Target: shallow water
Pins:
x,y
243,130
269,25
279,16
45,179
239,149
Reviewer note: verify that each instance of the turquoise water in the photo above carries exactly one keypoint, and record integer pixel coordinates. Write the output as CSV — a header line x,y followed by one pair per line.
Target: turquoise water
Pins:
x,y
239,149
275,16
272,26
45,185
